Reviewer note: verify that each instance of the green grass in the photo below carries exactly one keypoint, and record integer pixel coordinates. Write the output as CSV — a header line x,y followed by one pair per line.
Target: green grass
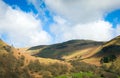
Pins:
x,y
79,75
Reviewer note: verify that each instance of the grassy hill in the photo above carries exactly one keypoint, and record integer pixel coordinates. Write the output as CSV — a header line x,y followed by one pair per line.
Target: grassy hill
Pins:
x,y
3,47
17,64
74,58
67,51
108,51
111,47
57,51
83,50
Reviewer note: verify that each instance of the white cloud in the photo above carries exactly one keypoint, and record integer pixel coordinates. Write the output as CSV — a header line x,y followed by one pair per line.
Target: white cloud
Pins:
x,y
83,11
22,29
39,6
83,19
98,30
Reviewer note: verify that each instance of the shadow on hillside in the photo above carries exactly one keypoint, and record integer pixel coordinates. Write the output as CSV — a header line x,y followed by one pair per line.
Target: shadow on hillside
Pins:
x,y
106,51
56,51
109,50
37,47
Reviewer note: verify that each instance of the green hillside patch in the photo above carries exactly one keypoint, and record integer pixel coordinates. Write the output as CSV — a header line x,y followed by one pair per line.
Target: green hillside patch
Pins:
x,y
80,75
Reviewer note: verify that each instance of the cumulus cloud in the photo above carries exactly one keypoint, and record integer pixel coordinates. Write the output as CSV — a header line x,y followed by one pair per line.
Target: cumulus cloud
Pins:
x,y
78,19
83,19
83,11
98,30
41,8
21,29
37,4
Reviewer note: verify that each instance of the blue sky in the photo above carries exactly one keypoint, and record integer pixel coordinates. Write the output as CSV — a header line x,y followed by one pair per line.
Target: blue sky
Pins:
x,y
113,17
57,21
22,4
29,7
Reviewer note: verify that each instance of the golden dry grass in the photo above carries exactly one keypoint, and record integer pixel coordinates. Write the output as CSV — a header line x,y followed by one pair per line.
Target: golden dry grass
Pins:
x,y
31,52
28,58
94,61
76,54
86,55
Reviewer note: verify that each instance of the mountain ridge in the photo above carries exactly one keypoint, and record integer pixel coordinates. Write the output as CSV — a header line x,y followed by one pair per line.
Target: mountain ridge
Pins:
x,y
69,57
88,50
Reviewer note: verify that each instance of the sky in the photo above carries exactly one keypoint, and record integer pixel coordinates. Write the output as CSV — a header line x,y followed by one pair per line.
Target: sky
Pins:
x,y
25,23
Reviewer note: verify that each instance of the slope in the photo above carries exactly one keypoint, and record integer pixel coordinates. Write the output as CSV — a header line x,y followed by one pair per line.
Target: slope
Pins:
x,y
66,50
82,50
108,50
17,64
111,47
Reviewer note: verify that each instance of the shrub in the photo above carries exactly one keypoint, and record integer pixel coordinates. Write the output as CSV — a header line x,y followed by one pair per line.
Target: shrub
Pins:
x,y
108,59
10,67
59,68
34,66
46,74
81,66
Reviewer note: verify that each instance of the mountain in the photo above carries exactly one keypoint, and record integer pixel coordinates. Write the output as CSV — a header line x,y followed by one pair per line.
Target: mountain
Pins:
x,y
57,51
70,50
74,57
86,50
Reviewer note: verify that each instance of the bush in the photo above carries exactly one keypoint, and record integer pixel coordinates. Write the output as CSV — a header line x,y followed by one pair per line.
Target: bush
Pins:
x,y
46,74
10,67
115,66
35,66
81,66
59,68
108,59
47,71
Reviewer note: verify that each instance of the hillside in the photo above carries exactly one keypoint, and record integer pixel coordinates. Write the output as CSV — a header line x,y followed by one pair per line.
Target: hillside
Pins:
x,y
74,58
3,47
67,51
85,50
108,50
111,47
17,64
57,51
